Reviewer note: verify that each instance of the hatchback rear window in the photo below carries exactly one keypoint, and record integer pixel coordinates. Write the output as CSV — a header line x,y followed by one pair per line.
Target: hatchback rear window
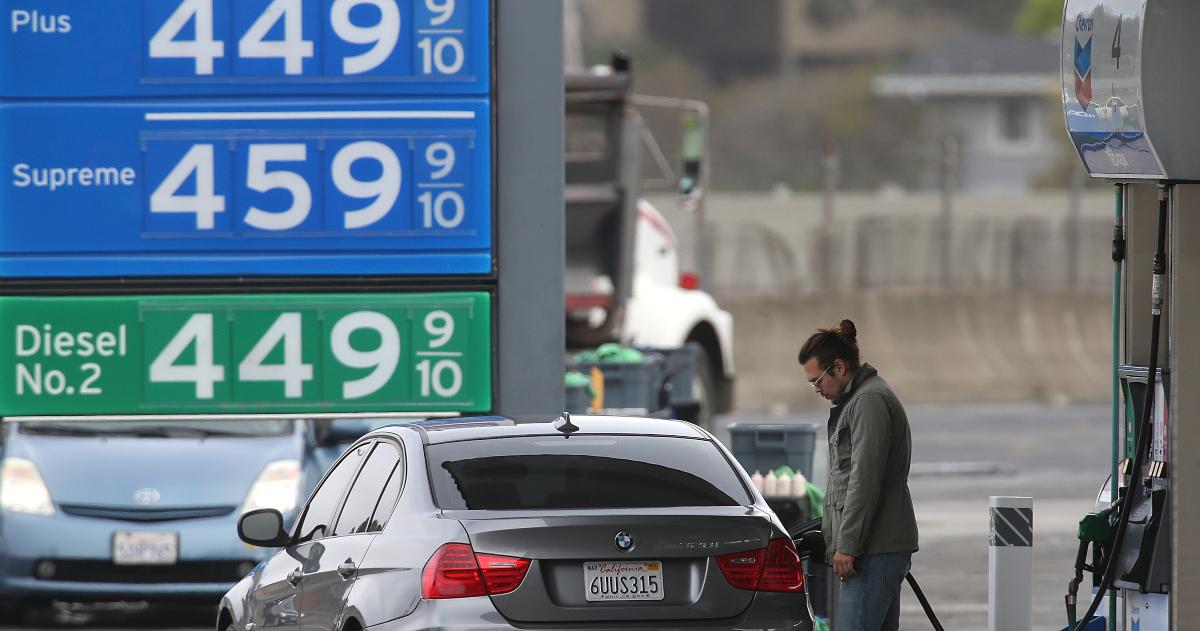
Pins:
x,y
583,472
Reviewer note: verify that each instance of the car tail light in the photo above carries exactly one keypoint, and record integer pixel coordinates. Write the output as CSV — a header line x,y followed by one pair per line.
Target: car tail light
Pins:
x,y
502,574
455,571
452,572
689,280
775,568
743,569
783,571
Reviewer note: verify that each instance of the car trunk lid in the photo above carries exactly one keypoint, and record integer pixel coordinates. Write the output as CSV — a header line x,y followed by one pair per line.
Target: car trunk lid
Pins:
x,y
612,555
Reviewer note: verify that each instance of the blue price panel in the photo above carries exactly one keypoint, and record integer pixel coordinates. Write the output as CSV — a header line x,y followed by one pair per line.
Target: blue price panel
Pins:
x,y
73,48
246,188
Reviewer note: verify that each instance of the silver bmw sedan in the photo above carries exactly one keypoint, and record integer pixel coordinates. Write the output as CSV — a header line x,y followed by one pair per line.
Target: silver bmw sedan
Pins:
x,y
584,522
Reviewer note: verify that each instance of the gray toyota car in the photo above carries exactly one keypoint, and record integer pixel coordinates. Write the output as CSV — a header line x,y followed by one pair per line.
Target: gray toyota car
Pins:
x,y
584,522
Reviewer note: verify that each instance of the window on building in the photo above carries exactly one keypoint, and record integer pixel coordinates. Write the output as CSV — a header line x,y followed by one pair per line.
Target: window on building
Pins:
x,y
1014,120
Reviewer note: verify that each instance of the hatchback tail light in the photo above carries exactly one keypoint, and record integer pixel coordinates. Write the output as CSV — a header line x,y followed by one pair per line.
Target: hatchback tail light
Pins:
x,y
456,571
775,568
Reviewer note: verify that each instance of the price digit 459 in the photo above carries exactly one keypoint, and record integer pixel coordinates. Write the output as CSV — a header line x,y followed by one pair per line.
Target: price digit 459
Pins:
x,y
266,171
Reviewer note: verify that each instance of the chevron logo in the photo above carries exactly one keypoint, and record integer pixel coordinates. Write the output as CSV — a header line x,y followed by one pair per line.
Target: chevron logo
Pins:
x,y
1083,72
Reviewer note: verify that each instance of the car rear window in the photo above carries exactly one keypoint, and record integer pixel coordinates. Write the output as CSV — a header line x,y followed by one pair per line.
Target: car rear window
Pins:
x,y
583,472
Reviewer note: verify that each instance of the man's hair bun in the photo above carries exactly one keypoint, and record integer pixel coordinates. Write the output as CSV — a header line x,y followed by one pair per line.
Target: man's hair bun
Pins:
x,y
830,344
847,330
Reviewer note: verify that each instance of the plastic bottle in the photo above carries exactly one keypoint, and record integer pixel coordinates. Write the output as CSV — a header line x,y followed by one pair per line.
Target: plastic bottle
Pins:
x,y
757,480
784,484
770,484
799,486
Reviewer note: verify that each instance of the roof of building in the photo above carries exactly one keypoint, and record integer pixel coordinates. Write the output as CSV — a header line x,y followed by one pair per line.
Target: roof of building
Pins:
x,y
977,64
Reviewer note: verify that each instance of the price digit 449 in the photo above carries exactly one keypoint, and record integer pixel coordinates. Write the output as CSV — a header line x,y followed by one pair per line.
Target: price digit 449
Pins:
x,y
442,376
442,51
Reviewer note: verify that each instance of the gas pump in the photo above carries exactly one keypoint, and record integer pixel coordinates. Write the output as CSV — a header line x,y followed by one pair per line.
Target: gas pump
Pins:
x,y
1128,101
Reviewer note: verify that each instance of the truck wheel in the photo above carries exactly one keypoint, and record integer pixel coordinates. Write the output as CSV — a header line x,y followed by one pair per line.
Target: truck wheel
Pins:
x,y
704,390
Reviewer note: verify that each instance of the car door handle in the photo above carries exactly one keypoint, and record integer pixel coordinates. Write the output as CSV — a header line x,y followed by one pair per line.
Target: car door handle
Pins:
x,y
295,576
347,569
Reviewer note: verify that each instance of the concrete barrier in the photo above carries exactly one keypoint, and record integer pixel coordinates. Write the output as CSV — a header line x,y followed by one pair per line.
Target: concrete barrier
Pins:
x,y
932,346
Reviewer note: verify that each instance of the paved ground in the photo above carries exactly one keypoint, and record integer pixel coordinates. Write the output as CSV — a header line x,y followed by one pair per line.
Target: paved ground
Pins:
x,y
962,454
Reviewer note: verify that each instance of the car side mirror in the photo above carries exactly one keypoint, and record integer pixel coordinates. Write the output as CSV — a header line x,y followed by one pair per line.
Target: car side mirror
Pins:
x,y
263,528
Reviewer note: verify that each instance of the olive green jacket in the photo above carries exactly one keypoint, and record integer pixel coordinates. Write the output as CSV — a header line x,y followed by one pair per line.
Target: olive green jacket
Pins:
x,y
868,508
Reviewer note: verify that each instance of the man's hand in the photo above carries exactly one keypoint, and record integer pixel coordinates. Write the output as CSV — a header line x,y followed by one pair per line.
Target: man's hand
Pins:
x,y
843,565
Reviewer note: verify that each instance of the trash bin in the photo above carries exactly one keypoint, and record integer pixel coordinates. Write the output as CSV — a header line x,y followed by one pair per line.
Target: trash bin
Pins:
x,y
767,446
629,386
679,371
578,400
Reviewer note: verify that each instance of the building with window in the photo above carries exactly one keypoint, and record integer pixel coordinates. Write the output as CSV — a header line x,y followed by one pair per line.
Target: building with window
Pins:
x,y
990,113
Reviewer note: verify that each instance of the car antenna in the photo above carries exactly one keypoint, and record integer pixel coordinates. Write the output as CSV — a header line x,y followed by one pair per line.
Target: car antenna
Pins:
x,y
564,425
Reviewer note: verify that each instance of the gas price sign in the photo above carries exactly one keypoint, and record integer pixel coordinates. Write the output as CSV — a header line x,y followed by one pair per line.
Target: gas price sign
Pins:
x,y
224,187
246,353
96,48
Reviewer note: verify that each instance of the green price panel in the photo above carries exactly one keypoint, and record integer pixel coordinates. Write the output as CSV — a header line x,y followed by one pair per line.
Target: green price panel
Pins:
x,y
314,353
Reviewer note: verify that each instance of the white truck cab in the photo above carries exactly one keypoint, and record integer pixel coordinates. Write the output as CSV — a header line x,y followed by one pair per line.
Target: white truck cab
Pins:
x,y
668,309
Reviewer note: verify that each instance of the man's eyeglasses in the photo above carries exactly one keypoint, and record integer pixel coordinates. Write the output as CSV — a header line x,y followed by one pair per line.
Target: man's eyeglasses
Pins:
x,y
814,382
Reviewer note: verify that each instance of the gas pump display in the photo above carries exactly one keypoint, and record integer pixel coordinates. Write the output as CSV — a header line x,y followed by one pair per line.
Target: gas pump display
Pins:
x,y
251,353
1102,97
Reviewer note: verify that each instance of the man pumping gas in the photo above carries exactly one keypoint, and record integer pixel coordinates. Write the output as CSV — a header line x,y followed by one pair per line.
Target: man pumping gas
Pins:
x,y
869,525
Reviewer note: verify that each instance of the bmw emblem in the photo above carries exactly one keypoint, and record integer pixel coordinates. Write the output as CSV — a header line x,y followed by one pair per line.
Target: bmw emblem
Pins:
x,y
146,496
623,541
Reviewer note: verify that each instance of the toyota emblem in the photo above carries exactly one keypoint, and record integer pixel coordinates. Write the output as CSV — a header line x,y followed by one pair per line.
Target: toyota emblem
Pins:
x,y
623,541
146,496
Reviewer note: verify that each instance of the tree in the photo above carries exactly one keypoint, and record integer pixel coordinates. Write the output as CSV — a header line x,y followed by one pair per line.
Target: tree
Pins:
x,y
1039,17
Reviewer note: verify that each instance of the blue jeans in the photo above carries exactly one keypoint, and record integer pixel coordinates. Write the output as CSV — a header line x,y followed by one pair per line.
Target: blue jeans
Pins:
x,y
870,601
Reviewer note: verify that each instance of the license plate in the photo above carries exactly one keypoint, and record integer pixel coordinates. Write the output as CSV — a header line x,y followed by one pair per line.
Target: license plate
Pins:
x,y
622,580
145,548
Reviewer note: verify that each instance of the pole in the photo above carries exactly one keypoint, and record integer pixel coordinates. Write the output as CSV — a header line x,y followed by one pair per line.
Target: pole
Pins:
x,y
949,164
1074,202
1010,564
1118,256
831,164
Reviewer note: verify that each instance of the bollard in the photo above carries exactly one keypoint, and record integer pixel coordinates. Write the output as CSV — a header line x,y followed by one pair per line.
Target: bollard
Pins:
x,y
1010,564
